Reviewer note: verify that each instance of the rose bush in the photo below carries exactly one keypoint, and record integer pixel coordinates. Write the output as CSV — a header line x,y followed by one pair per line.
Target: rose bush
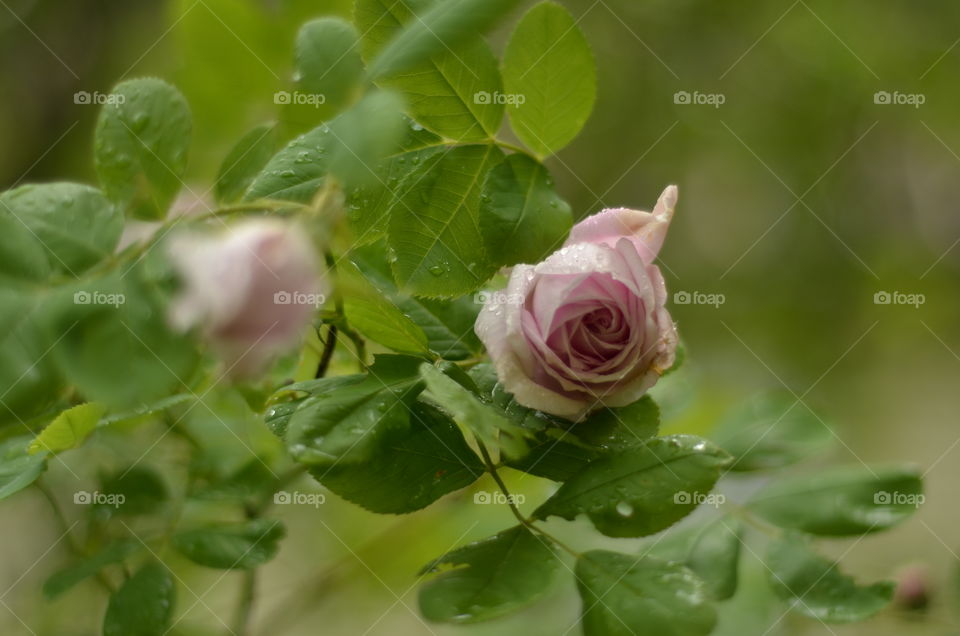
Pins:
x,y
587,327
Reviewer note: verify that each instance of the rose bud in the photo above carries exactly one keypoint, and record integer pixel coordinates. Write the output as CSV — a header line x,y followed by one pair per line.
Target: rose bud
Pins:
x,y
586,327
250,291
913,588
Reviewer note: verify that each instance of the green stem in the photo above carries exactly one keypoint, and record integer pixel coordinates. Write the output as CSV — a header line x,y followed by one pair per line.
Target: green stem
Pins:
x,y
524,521
65,526
248,591
747,517
328,347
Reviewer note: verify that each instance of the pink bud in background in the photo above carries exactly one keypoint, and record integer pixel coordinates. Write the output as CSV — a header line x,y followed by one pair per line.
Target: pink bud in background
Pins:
x,y
251,290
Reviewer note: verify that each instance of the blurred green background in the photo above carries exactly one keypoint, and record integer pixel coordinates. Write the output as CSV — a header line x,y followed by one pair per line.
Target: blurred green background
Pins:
x,y
800,199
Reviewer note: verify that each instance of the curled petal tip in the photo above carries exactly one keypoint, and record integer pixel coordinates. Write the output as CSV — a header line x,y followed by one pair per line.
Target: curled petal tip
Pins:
x,y
666,203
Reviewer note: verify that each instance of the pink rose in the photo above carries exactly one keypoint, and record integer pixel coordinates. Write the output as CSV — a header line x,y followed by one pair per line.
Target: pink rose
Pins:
x,y
251,290
587,327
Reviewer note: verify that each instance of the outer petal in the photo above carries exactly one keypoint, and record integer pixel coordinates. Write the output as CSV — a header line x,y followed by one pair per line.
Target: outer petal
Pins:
x,y
499,327
646,230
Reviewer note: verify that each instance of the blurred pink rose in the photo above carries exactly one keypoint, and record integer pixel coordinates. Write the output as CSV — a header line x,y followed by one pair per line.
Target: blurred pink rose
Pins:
x,y
586,327
251,290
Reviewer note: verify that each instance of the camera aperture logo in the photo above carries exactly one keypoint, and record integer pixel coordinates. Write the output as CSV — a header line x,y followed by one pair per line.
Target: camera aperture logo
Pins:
x,y
696,98
899,298
497,298
496,97
884,498
298,298
698,298
84,498
498,498
96,98
684,498
287,498
98,298
896,98
299,99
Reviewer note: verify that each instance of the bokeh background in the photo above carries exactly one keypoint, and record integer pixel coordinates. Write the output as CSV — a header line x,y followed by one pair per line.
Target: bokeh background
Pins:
x,y
801,198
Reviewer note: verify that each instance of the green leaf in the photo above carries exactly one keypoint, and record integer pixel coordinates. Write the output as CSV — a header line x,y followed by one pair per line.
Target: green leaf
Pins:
x,y
143,606
842,501
427,462
244,162
490,578
349,423
641,490
554,458
490,426
445,92
624,596
448,324
370,206
287,400
815,586
136,491
554,452
113,552
140,146
31,381
350,147
364,135
771,431
23,258
434,231
76,224
623,427
455,93
522,218
375,316
328,60
710,550
18,468
253,478
297,171
115,328
562,450
232,546
148,409
69,429
442,26
549,63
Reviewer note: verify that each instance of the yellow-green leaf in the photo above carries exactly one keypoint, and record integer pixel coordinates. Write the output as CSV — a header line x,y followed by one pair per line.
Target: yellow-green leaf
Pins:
x,y
69,429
